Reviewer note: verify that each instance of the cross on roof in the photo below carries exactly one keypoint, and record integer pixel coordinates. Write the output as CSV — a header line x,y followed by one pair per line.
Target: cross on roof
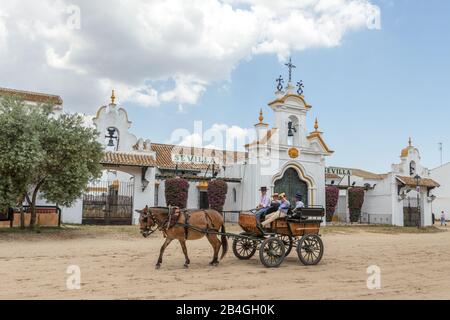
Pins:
x,y
290,67
280,83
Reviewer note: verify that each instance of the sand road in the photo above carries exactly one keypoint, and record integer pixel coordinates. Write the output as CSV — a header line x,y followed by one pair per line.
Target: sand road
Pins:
x,y
117,263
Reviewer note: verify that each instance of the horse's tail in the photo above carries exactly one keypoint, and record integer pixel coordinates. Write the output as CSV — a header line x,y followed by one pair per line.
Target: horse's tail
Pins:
x,y
224,241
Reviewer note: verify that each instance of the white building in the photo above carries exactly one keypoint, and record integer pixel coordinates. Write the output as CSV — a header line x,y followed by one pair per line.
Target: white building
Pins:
x,y
283,158
442,202
402,197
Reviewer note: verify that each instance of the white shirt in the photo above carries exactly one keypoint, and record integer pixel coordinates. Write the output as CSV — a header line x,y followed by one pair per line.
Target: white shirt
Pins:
x,y
265,201
299,205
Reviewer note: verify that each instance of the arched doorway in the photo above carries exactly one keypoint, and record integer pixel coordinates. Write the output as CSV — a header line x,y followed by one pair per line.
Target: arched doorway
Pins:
x,y
291,184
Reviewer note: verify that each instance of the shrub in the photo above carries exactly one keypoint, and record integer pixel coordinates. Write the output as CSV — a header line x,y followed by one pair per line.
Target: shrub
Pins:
x,y
355,203
176,192
332,197
217,193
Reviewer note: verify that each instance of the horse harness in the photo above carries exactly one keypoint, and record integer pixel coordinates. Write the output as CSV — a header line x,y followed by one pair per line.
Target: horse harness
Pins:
x,y
173,218
173,221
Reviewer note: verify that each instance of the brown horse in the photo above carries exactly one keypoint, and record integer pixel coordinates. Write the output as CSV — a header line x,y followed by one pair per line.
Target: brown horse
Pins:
x,y
199,222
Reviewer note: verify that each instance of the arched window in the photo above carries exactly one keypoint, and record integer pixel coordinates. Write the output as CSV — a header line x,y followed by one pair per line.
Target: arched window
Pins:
x,y
293,131
412,168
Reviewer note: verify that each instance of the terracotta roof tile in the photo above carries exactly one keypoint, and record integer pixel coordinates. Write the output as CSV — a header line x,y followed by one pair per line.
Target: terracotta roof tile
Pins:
x,y
424,182
367,175
128,159
33,96
331,176
164,154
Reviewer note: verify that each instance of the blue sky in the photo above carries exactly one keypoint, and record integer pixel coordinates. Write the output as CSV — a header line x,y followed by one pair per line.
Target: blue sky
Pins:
x,y
370,93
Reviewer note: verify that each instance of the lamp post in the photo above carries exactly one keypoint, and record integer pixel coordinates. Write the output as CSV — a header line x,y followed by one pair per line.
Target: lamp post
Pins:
x,y
417,178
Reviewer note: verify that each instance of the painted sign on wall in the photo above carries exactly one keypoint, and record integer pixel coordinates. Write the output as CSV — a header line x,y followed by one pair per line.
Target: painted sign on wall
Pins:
x,y
193,159
339,171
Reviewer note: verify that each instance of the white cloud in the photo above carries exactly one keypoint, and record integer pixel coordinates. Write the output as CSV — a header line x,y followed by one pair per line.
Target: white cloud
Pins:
x,y
144,47
186,91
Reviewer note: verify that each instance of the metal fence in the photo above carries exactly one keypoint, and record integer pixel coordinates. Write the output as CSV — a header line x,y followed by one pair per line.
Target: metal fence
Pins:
x,y
108,203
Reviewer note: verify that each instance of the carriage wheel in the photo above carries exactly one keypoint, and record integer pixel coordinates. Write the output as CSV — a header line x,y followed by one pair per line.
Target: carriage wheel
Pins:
x,y
244,248
272,252
310,249
288,243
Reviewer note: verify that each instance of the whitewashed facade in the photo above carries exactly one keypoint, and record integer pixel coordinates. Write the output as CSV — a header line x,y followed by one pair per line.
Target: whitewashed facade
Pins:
x,y
285,150
403,197
442,202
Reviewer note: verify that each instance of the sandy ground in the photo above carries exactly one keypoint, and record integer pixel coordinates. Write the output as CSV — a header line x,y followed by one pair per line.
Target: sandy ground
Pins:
x,y
117,263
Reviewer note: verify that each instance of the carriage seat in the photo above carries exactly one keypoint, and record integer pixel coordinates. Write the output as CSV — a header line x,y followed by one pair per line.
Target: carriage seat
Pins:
x,y
311,214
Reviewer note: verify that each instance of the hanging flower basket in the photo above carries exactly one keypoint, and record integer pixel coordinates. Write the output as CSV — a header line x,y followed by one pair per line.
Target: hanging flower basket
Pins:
x,y
332,197
176,192
355,203
217,193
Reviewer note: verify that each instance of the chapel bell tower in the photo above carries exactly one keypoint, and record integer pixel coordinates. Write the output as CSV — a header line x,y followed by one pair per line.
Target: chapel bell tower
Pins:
x,y
290,109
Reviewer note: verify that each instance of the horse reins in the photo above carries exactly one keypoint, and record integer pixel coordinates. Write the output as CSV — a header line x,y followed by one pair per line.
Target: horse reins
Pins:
x,y
164,226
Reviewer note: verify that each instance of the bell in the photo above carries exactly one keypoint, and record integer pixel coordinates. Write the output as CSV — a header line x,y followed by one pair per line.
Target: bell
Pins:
x,y
290,133
291,129
111,143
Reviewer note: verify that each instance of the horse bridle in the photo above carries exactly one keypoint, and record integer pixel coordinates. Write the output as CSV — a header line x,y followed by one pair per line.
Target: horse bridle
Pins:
x,y
155,225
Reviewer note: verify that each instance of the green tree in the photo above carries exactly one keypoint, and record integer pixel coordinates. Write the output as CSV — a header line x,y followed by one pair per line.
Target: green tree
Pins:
x,y
72,159
65,156
20,149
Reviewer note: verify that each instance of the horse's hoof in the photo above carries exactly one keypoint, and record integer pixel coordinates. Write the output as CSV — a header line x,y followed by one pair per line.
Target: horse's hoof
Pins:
x,y
214,264
186,266
158,266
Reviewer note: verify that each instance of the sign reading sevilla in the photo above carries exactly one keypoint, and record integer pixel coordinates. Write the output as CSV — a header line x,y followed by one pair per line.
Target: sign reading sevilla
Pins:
x,y
194,159
339,171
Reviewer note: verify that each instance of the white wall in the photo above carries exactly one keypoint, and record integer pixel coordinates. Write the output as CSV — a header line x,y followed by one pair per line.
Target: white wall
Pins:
x,y
74,214
442,203
379,199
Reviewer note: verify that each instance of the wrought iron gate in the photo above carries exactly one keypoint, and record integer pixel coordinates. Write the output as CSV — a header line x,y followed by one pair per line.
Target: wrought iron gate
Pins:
x,y
291,184
411,213
108,203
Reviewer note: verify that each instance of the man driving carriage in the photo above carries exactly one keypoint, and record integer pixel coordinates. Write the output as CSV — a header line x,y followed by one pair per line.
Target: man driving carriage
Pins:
x,y
274,205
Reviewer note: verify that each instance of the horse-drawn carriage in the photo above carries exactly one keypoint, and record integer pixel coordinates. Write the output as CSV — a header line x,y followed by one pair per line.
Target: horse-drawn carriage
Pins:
x,y
300,230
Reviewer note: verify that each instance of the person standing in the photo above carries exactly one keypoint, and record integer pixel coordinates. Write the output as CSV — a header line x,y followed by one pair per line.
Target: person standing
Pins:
x,y
443,222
